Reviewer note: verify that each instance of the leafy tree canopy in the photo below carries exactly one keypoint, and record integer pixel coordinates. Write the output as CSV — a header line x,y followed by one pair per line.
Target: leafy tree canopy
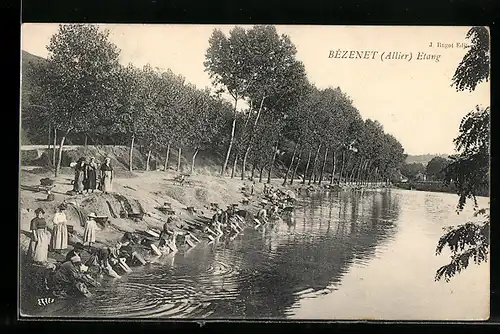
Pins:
x,y
475,66
435,168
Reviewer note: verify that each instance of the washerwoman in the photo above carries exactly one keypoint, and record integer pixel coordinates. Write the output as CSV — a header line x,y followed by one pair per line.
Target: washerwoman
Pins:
x,y
90,230
39,245
79,176
77,250
91,175
59,240
107,176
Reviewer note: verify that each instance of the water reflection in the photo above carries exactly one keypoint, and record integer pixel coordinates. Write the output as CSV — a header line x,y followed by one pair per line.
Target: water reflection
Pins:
x,y
260,274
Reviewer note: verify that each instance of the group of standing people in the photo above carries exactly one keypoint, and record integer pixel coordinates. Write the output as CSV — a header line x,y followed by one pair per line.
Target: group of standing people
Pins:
x,y
90,175
42,241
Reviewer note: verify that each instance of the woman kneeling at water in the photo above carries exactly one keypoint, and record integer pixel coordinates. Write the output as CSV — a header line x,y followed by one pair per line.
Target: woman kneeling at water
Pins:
x,y
218,228
99,260
168,239
69,279
76,251
261,218
234,223
190,239
132,257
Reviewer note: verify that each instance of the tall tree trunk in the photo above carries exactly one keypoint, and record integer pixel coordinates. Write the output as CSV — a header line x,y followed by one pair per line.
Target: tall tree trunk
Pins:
x,y
234,165
353,172
342,168
365,171
307,167
167,155
364,175
323,167
348,173
194,159
244,162
249,115
362,169
260,174
370,173
333,168
314,163
50,134
228,153
368,165
273,159
290,165
371,176
356,179
59,159
254,166
258,113
251,138
148,159
179,152
349,168
296,167
270,169
85,141
54,148
131,154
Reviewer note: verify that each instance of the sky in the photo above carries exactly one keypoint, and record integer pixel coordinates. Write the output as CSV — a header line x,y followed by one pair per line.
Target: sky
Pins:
x,y
412,98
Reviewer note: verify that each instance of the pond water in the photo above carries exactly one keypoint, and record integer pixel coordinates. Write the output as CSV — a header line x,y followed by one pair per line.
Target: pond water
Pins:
x,y
356,255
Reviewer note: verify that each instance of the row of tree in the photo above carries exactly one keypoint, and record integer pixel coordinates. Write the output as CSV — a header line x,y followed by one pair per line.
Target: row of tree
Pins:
x,y
308,128
287,122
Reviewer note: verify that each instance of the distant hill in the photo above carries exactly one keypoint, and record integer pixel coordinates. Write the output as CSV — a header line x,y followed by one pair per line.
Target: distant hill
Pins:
x,y
424,158
27,57
27,61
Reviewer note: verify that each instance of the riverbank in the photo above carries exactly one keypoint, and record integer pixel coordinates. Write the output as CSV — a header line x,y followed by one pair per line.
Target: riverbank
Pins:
x,y
145,191
139,194
431,186
148,190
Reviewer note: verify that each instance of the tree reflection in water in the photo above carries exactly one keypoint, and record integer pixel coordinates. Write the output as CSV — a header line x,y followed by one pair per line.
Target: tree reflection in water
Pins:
x,y
260,273
316,258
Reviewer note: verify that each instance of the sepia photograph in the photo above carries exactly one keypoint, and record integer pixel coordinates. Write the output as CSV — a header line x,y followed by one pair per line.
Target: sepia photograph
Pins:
x,y
254,172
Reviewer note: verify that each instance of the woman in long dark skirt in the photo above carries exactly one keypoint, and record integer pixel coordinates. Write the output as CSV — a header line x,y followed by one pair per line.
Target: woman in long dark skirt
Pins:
x,y
90,175
107,176
79,176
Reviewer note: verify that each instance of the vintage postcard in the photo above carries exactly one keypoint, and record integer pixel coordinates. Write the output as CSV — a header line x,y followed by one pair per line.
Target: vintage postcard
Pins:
x,y
254,172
